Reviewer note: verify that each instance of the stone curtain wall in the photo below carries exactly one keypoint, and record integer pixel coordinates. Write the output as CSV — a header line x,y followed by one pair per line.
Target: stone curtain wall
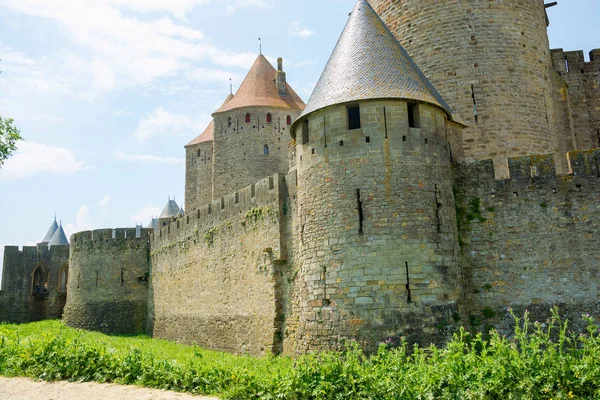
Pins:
x,y
583,81
108,289
216,273
239,158
530,241
489,55
376,246
18,302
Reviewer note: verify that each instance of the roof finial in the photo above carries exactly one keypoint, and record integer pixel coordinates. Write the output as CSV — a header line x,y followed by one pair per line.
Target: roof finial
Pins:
x,y
230,86
260,46
54,217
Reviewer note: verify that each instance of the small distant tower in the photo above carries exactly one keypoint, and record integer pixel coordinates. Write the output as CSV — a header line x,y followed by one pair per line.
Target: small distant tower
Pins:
x,y
59,238
377,246
251,131
49,234
170,211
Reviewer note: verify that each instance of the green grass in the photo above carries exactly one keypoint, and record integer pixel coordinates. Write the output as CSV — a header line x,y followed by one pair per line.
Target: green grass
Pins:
x,y
538,362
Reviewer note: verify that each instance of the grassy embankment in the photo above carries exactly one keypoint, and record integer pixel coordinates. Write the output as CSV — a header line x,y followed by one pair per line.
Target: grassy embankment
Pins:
x,y
549,362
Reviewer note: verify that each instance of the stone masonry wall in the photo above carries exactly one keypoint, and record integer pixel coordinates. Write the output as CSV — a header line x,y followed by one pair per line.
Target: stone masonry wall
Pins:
x,y
23,301
490,61
531,241
376,248
239,150
198,175
216,273
108,289
583,81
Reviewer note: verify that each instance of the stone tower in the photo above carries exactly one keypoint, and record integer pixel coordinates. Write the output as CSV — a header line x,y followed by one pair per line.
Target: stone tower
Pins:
x,y
490,60
250,131
198,168
377,250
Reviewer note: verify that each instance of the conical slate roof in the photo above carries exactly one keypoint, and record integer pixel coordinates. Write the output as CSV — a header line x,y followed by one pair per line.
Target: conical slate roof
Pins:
x,y
368,62
171,210
50,233
59,238
208,133
259,90
153,224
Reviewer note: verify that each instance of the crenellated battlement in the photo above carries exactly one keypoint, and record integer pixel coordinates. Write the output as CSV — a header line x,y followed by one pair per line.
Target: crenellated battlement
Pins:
x,y
534,172
573,62
106,238
264,193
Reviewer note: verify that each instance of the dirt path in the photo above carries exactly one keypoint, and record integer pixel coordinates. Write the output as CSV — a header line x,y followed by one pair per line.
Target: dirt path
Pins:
x,y
26,389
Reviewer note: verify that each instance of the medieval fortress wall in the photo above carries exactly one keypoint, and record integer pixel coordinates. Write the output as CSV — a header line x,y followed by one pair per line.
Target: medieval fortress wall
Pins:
x,y
406,226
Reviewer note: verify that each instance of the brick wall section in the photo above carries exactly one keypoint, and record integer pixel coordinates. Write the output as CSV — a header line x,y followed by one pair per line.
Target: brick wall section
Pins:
x,y
19,299
198,175
353,283
239,158
493,53
216,273
108,290
583,81
530,241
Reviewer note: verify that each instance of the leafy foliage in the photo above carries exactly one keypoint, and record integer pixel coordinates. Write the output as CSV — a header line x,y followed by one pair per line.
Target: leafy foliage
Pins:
x,y
9,136
540,361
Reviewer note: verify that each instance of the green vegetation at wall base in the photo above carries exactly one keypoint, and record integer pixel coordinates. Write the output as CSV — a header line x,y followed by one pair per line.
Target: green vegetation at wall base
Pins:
x,y
540,361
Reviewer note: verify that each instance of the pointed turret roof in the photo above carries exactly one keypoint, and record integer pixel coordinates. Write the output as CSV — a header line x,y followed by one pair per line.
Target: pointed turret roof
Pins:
x,y
171,210
59,238
50,232
259,90
153,224
368,62
208,133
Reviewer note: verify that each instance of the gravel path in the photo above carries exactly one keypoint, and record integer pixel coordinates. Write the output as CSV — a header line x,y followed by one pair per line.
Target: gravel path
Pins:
x,y
26,389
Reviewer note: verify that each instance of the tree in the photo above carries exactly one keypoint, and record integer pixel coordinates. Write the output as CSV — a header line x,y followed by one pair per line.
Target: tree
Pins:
x,y
9,136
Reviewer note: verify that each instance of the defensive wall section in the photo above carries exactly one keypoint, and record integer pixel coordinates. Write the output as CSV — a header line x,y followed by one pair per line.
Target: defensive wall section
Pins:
x,y
108,289
583,81
33,283
217,273
530,241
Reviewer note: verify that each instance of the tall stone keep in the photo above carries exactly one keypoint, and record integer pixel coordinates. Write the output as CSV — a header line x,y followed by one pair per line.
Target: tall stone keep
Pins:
x,y
490,60
377,252
251,131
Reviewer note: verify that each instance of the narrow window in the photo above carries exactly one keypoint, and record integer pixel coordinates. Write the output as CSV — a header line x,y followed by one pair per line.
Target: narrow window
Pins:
x,y
122,278
289,119
247,118
385,123
341,143
404,138
408,298
474,103
353,117
229,122
199,153
305,136
414,120
360,213
269,118
567,64
326,301
97,275
266,150
368,139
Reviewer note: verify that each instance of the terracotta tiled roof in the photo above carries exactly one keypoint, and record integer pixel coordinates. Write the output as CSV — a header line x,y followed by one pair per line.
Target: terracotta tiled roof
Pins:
x,y
369,63
259,90
208,133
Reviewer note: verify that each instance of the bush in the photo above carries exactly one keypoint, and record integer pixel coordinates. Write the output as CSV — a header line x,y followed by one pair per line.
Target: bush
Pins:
x,y
538,362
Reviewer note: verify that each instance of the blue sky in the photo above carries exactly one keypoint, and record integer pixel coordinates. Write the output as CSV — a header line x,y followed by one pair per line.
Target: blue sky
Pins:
x,y
107,93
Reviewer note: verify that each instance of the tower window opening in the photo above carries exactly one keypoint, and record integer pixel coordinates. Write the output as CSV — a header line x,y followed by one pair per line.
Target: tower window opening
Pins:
x,y
404,138
266,150
269,118
474,103
248,118
341,143
289,119
199,153
567,64
122,277
305,134
353,117
368,139
414,118
229,122
408,297
361,218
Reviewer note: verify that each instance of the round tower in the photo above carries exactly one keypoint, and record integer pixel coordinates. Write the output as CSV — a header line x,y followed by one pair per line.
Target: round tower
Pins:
x,y
490,60
251,130
107,286
377,247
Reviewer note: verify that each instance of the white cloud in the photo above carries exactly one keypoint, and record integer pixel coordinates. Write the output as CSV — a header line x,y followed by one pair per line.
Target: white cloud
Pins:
x,y
163,123
104,202
145,215
82,222
148,158
296,30
34,158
